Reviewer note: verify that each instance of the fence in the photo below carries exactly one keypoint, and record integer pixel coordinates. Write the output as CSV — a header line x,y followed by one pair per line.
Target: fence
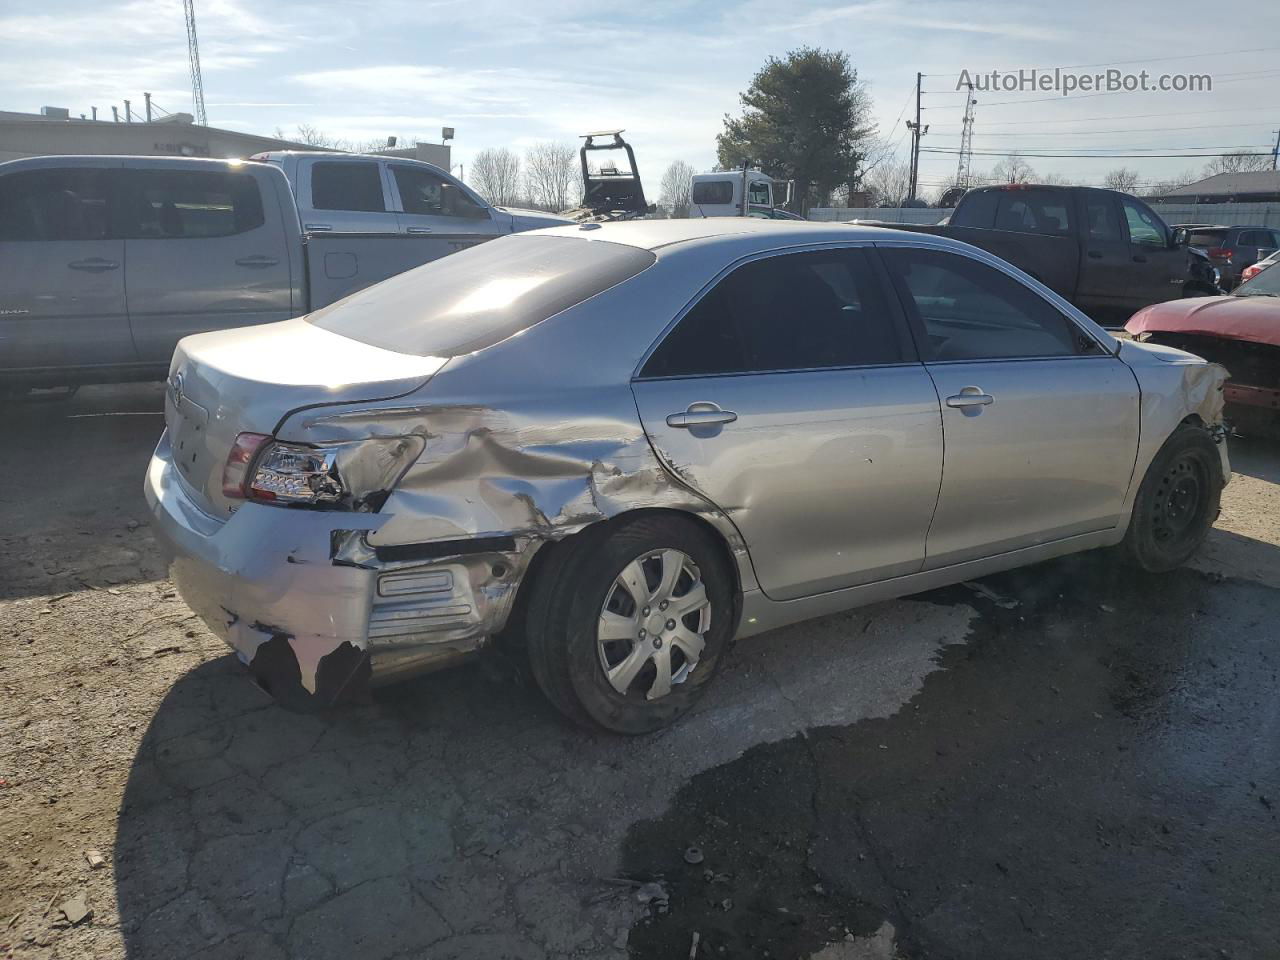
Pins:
x,y
1227,214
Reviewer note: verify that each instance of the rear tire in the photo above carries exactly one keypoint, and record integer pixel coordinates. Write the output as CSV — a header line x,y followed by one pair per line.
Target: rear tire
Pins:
x,y
629,621
1177,502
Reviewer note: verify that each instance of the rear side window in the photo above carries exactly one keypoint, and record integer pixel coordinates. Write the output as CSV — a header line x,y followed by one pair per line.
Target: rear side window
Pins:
x,y
970,311
1254,238
712,191
976,209
480,296
1034,211
192,204
1104,222
798,311
66,204
1206,238
338,185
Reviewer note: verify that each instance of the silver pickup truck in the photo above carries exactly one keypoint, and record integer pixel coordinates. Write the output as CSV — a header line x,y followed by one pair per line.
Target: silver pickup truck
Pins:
x,y
107,262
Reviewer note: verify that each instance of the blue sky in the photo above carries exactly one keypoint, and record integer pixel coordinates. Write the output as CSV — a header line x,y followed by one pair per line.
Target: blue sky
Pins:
x,y
510,74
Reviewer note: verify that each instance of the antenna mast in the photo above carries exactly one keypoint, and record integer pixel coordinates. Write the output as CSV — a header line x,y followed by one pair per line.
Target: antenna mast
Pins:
x,y
964,172
193,49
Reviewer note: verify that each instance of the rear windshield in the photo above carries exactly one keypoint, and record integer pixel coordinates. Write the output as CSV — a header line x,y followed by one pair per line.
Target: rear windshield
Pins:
x,y
482,295
1206,238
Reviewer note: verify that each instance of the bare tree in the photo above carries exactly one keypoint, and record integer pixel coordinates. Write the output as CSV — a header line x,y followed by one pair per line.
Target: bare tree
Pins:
x,y
1122,179
1013,169
495,172
676,187
1162,187
1238,163
550,171
887,182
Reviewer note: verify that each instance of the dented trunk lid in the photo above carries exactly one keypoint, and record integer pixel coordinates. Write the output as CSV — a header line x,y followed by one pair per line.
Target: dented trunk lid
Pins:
x,y
229,382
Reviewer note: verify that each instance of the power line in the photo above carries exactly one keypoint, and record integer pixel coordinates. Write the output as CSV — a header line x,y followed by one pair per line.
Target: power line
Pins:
x,y
1217,152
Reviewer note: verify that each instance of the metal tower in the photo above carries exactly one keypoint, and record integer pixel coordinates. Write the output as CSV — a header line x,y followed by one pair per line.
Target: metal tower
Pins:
x,y
193,49
964,171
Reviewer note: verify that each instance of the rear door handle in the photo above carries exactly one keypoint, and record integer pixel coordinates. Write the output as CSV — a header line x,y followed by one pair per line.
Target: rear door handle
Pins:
x,y
970,397
317,227
258,260
94,265
419,230
701,415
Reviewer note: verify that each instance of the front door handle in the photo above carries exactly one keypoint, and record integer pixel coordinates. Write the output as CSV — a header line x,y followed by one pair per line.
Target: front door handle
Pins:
x,y
1095,254
701,415
317,227
419,230
970,397
257,260
94,265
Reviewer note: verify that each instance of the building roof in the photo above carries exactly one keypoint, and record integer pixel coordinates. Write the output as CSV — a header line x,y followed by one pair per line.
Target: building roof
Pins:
x,y
1263,184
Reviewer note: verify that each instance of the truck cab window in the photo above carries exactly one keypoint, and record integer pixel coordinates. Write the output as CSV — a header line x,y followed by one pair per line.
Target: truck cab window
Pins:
x,y
712,191
427,193
1034,211
1143,227
758,193
347,185
1103,223
190,204
67,204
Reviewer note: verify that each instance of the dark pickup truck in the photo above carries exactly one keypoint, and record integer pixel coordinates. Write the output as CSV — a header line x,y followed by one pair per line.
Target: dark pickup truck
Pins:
x,y
1106,252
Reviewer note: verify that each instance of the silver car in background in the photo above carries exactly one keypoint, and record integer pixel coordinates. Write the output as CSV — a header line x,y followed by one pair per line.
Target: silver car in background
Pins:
x,y
618,447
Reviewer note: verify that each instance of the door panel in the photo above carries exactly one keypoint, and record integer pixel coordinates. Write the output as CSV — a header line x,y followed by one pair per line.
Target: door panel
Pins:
x,y
831,476
62,296
1106,269
202,255
1049,457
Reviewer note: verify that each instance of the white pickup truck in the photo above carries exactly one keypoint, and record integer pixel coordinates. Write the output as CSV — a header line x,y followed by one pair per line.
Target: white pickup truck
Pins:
x,y
107,262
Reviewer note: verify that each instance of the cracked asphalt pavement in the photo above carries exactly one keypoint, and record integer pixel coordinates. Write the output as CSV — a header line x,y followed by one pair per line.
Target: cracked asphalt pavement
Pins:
x,y
1068,760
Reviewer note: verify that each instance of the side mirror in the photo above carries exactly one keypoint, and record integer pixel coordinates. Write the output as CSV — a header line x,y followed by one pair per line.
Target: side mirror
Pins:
x,y
1178,238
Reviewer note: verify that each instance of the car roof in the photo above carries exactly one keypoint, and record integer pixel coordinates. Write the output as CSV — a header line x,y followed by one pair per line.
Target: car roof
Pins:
x,y
655,234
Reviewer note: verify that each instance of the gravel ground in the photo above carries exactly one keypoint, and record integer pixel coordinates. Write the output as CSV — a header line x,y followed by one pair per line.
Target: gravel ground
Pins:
x,y
1091,772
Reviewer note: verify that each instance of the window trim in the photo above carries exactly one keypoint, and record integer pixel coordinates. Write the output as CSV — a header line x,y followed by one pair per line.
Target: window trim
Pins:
x,y
901,324
916,324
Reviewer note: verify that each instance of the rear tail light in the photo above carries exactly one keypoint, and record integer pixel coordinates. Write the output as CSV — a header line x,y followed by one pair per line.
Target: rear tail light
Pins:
x,y
357,475
1220,253
1250,272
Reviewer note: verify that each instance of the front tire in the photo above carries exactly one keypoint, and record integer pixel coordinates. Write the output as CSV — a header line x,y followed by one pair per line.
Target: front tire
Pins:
x,y
1177,502
629,621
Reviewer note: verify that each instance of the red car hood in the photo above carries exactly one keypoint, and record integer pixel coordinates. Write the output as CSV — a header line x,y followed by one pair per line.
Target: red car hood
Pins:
x,y
1256,319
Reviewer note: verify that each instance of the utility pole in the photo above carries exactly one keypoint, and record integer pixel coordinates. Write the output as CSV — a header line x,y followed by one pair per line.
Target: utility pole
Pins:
x,y
964,171
917,131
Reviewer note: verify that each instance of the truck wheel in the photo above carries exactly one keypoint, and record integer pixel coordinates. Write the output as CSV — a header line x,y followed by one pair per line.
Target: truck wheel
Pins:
x,y
1176,503
629,621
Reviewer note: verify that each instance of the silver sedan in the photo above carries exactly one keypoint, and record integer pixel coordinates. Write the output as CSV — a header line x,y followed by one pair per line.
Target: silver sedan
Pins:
x,y
617,447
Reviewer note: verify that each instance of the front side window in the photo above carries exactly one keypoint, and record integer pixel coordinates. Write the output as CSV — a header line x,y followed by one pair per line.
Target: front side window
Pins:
x,y
66,204
424,192
347,185
970,311
797,311
186,204
1144,229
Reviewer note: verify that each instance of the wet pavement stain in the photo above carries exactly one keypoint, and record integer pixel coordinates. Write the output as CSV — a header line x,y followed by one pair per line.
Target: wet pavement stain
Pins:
x,y
1092,775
